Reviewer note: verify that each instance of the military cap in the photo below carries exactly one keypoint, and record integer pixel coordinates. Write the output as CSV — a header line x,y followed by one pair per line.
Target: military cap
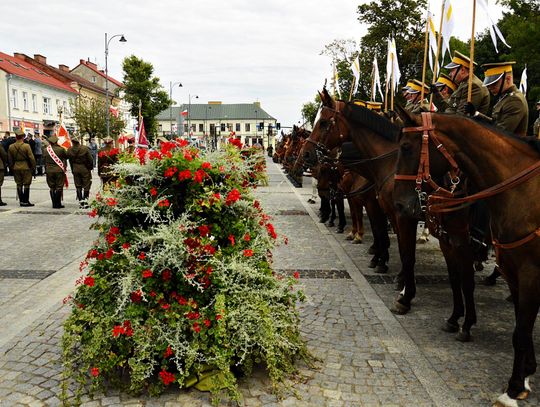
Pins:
x,y
108,140
415,86
53,139
459,60
444,80
376,106
495,71
360,103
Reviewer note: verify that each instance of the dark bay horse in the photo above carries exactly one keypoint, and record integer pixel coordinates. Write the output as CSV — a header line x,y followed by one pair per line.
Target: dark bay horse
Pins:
x,y
375,138
505,172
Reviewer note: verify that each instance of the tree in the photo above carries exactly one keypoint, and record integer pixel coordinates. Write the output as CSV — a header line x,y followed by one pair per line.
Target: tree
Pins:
x,y
309,110
88,115
141,87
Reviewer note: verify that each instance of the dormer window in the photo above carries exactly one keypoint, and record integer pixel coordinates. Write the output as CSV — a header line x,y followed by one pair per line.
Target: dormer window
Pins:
x,y
94,79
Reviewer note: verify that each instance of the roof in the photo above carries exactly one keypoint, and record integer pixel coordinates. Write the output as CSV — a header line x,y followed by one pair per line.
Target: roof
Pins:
x,y
24,70
93,67
63,75
233,111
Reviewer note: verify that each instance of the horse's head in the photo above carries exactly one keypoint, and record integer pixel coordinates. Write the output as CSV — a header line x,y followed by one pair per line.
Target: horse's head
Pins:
x,y
422,164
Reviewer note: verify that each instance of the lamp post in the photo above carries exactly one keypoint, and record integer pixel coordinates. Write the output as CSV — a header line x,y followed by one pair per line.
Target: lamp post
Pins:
x,y
256,123
170,107
205,129
122,39
189,114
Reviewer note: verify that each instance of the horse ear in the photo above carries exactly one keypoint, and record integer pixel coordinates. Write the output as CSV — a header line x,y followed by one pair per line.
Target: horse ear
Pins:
x,y
326,99
407,118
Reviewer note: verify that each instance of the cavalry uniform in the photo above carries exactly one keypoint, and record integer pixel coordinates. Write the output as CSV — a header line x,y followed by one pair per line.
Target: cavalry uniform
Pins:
x,y
417,106
22,163
479,94
3,166
55,159
81,163
107,157
445,87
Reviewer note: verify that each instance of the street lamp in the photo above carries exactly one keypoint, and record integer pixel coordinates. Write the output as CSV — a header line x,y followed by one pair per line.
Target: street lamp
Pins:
x,y
189,114
122,39
170,108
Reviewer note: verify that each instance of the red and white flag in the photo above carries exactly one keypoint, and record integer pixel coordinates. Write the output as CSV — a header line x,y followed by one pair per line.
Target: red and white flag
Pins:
x,y
63,137
142,141
113,110
184,113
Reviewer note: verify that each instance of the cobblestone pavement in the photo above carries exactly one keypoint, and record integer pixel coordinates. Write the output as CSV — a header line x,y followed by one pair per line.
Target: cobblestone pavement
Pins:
x,y
368,356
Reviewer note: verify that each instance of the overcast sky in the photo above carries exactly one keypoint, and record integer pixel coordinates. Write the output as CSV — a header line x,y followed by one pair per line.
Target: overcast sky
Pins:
x,y
235,51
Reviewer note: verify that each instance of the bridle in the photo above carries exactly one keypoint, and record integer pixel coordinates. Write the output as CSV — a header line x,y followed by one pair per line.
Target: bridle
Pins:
x,y
336,119
423,175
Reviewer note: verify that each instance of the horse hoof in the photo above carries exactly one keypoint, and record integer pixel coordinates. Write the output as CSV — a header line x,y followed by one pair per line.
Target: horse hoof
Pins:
x,y
422,240
350,236
373,263
399,309
450,327
505,401
463,336
357,240
381,269
523,395
371,250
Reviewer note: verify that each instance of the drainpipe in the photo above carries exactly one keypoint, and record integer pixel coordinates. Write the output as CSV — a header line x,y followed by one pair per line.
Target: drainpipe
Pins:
x,y
8,77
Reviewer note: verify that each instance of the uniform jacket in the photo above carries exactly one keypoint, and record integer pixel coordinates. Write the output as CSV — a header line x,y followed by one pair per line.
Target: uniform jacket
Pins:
x,y
20,156
511,112
3,158
479,97
50,164
80,158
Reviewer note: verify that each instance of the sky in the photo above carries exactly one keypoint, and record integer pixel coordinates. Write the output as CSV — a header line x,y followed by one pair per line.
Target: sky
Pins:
x,y
234,51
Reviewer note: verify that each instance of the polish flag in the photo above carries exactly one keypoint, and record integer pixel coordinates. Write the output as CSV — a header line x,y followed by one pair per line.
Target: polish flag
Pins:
x,y
63,137
113,110
184,113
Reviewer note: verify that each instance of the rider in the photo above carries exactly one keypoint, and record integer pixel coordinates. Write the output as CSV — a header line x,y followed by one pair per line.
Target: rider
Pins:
x,y
459,74
442,90
414,104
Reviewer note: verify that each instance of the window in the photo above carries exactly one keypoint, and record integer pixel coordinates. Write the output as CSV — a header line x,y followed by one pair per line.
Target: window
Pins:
x,y
222,126
34,103
237,127
201,127
25,101
160,127
65,106
14,98
248,127
229,126
94,79
46,105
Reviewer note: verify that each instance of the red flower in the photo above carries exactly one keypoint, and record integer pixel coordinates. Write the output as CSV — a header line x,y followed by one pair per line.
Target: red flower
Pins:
x,y
136,296
147,273
183,175
207,322
92,253
110,239
169,172
165,306
216,195
271,231
248,253
192,315
142,256
182,300
247,237
199,176
204,230
114,230
89,281
153,155
209,249
153,294
168,352
101,256
141,154
126,246
94,371
164,203
206,165
118,330
182,142
128,329
166,377
218,317
296,275
93,213
153,191
196,327
112,201
109,253
235,142
188,156
232,197
231,238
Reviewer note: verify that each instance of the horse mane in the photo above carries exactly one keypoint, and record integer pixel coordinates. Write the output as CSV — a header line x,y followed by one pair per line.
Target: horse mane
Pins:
x,y
373,121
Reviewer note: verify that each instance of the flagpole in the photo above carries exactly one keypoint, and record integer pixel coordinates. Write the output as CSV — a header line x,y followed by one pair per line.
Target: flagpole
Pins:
x,y
352,87
373,82
392,84
425,54
436,62
386,97
471,64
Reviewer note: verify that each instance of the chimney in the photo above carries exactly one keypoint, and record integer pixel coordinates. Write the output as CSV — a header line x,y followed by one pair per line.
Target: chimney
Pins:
x,y
19,55
258,104
41,59
63,68
91,64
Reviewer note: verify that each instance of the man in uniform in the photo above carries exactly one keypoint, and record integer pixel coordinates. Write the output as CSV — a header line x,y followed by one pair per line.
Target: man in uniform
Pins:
x,y
442,90
3,166
107,157
414,104
92,145
55,158
459,73
22,164
81,163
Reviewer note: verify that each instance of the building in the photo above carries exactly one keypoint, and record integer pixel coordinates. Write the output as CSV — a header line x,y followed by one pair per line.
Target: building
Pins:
x,y
31,96
213,122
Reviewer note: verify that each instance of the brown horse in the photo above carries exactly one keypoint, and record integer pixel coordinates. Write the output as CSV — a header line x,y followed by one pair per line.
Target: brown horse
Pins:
x,y
506,171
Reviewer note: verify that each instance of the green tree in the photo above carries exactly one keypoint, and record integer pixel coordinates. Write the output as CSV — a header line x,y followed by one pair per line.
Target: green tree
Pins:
x,y
88,115
141,87
309,110
342,52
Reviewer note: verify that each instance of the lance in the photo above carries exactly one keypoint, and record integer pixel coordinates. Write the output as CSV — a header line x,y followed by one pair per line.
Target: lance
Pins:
x,y
425,54
436,63
373,82
471,64
386,97
392,84
352,87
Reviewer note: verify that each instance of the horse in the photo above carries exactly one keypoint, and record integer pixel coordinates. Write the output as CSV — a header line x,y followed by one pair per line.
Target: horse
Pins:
x,y
504,171
375,138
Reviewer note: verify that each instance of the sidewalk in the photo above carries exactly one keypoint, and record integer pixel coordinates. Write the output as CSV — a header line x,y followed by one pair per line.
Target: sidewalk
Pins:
x,y
367,356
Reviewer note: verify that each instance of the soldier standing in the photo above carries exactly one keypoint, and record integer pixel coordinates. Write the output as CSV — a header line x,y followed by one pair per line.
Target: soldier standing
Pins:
x,y
22,164
107,157
459,73
55,158
80,160
92,145
3,166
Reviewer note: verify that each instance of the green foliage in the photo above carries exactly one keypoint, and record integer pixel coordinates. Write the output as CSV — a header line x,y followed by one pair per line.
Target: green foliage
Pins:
x,y
309,110
88,114
180,287
141,87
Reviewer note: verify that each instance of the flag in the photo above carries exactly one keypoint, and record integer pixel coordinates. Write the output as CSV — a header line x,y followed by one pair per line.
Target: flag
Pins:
x,y
184,113
141,140
392,65
494,31
113,110
22,127
336,82
376,80
447,27
355,68
432,41
63,137
523,82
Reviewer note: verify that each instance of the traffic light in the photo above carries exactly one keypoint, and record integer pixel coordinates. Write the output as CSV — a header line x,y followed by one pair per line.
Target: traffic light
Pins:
x,y
278,126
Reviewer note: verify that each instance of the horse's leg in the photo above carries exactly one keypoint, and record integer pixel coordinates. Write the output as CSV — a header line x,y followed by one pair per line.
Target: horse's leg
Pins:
x,y
340,206
324,210
332,212
359,235
454,276
406,233
353,209
374,212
